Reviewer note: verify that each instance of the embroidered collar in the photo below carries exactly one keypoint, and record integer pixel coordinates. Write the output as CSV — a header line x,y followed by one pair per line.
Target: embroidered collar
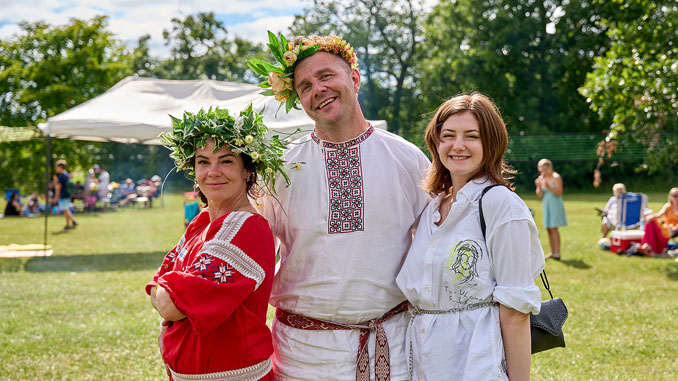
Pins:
x,y
355,141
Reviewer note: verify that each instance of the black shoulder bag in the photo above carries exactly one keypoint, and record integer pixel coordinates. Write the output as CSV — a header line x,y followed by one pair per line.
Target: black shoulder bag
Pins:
x,y
547,327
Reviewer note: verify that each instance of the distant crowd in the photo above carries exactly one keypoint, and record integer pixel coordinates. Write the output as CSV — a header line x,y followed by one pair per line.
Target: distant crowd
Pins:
x,y
96,193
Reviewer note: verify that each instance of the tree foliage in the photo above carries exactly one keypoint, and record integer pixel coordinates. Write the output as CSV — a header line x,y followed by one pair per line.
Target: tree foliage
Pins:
x,y
386,36
503,49
201,49
45,70
634,83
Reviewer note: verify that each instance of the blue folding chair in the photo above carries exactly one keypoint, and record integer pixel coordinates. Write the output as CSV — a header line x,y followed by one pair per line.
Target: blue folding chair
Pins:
x,y
10,192
631,211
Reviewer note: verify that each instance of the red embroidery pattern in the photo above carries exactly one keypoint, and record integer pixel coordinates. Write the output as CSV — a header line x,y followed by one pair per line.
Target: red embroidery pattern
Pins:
x,y
345,183
382,365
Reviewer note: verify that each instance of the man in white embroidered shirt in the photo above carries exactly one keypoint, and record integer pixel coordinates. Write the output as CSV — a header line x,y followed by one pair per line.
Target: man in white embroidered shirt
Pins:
x,y
344,226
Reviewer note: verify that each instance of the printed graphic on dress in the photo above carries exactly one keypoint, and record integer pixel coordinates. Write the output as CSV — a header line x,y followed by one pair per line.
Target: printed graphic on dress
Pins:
x,y
463,261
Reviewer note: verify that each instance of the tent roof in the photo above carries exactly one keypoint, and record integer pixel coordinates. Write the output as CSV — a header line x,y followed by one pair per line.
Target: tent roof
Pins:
x,y
137,109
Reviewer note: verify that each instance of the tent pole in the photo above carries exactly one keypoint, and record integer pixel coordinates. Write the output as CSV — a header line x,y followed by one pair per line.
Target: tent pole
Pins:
x,y
47,203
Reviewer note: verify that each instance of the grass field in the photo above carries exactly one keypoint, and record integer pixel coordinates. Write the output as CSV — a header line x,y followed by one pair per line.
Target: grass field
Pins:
x,y
82,313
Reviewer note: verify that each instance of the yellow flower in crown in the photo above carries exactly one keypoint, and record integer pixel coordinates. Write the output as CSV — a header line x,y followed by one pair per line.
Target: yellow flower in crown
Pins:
x,y
280,79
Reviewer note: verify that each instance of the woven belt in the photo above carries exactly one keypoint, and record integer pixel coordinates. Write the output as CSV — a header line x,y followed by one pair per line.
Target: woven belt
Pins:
x,y
382,364
414,311
251,373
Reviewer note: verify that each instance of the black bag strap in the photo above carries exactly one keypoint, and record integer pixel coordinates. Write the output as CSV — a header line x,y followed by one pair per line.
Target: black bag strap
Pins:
x,y
483,228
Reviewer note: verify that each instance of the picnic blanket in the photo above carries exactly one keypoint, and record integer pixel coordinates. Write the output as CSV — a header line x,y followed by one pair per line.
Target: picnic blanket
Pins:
x,y
14,250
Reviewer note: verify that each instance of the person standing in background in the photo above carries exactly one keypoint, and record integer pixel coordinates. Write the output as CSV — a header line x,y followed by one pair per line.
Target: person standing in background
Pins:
x,y
549,186
104,182
61,194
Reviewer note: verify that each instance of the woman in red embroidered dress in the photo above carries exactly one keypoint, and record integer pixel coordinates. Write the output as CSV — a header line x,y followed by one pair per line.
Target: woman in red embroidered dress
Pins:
x,y
212,289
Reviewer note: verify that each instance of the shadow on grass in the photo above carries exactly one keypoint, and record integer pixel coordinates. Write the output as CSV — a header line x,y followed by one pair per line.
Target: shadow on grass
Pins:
x,y
95,262
671,272
576,263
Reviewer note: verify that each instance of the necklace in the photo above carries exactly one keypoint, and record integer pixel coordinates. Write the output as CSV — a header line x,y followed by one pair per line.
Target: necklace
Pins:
x,y
245,202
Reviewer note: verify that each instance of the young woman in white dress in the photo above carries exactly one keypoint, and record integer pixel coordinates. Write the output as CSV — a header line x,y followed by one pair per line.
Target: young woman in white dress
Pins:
x,y
471,295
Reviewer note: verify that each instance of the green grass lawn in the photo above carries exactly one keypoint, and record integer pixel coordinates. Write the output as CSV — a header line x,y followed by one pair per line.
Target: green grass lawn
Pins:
x,y
82,313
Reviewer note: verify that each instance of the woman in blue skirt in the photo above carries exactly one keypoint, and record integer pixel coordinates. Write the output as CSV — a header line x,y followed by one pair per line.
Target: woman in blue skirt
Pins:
x,y
549,186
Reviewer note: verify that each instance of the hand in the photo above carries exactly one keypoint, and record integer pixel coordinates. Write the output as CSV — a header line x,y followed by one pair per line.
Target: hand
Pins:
x,y
165,306
163,328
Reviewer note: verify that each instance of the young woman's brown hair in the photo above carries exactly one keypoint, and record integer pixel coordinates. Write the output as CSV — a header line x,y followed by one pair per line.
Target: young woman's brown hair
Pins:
x,y
493,136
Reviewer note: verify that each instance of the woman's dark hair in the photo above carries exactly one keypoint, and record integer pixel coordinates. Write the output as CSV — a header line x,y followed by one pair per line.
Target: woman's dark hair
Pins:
x,y
251,188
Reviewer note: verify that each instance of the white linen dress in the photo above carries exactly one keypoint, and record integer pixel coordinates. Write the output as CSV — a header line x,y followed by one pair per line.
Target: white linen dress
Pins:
x,y
450,267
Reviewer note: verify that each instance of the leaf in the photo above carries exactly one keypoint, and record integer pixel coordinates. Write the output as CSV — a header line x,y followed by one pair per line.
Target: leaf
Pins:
x,y
283,43
257,69
290,103
274,45
264,67
307,52
267,92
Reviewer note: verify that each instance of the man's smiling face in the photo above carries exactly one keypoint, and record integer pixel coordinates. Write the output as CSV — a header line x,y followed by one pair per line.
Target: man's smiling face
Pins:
x,y
327,87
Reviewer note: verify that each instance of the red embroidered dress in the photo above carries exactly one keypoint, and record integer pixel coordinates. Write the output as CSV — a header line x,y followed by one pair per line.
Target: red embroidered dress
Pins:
x,y
220,275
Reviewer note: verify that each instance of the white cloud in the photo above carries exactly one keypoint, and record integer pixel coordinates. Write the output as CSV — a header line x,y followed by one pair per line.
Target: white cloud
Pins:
x,y
256,30
130,19
239,6
9,30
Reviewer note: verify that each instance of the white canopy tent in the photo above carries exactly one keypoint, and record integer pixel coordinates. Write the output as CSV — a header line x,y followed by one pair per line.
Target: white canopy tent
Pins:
x,y
136,110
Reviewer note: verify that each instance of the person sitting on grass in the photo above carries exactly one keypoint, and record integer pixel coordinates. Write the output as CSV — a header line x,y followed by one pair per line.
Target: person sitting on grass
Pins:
x,y
13,207
657,234
609,212
129,192
32,207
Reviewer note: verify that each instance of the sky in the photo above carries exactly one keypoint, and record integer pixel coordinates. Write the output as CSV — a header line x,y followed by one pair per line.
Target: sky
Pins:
x,y
130,19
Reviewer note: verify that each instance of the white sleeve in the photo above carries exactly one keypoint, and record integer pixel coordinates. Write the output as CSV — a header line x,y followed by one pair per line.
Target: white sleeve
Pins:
x,y
610,204
517,258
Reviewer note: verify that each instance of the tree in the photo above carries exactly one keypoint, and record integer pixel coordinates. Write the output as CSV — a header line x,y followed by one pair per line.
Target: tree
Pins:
x,y
386,36
529,56
143,64
45,70
200,49
634,82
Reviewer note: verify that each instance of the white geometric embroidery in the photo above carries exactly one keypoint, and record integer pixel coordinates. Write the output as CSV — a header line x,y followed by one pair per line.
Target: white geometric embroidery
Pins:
x,y
223,273
182,242
221,247
203,262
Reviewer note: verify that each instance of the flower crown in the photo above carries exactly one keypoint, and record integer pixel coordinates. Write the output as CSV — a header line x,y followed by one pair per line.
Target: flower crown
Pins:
x,y
245,134
280,82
